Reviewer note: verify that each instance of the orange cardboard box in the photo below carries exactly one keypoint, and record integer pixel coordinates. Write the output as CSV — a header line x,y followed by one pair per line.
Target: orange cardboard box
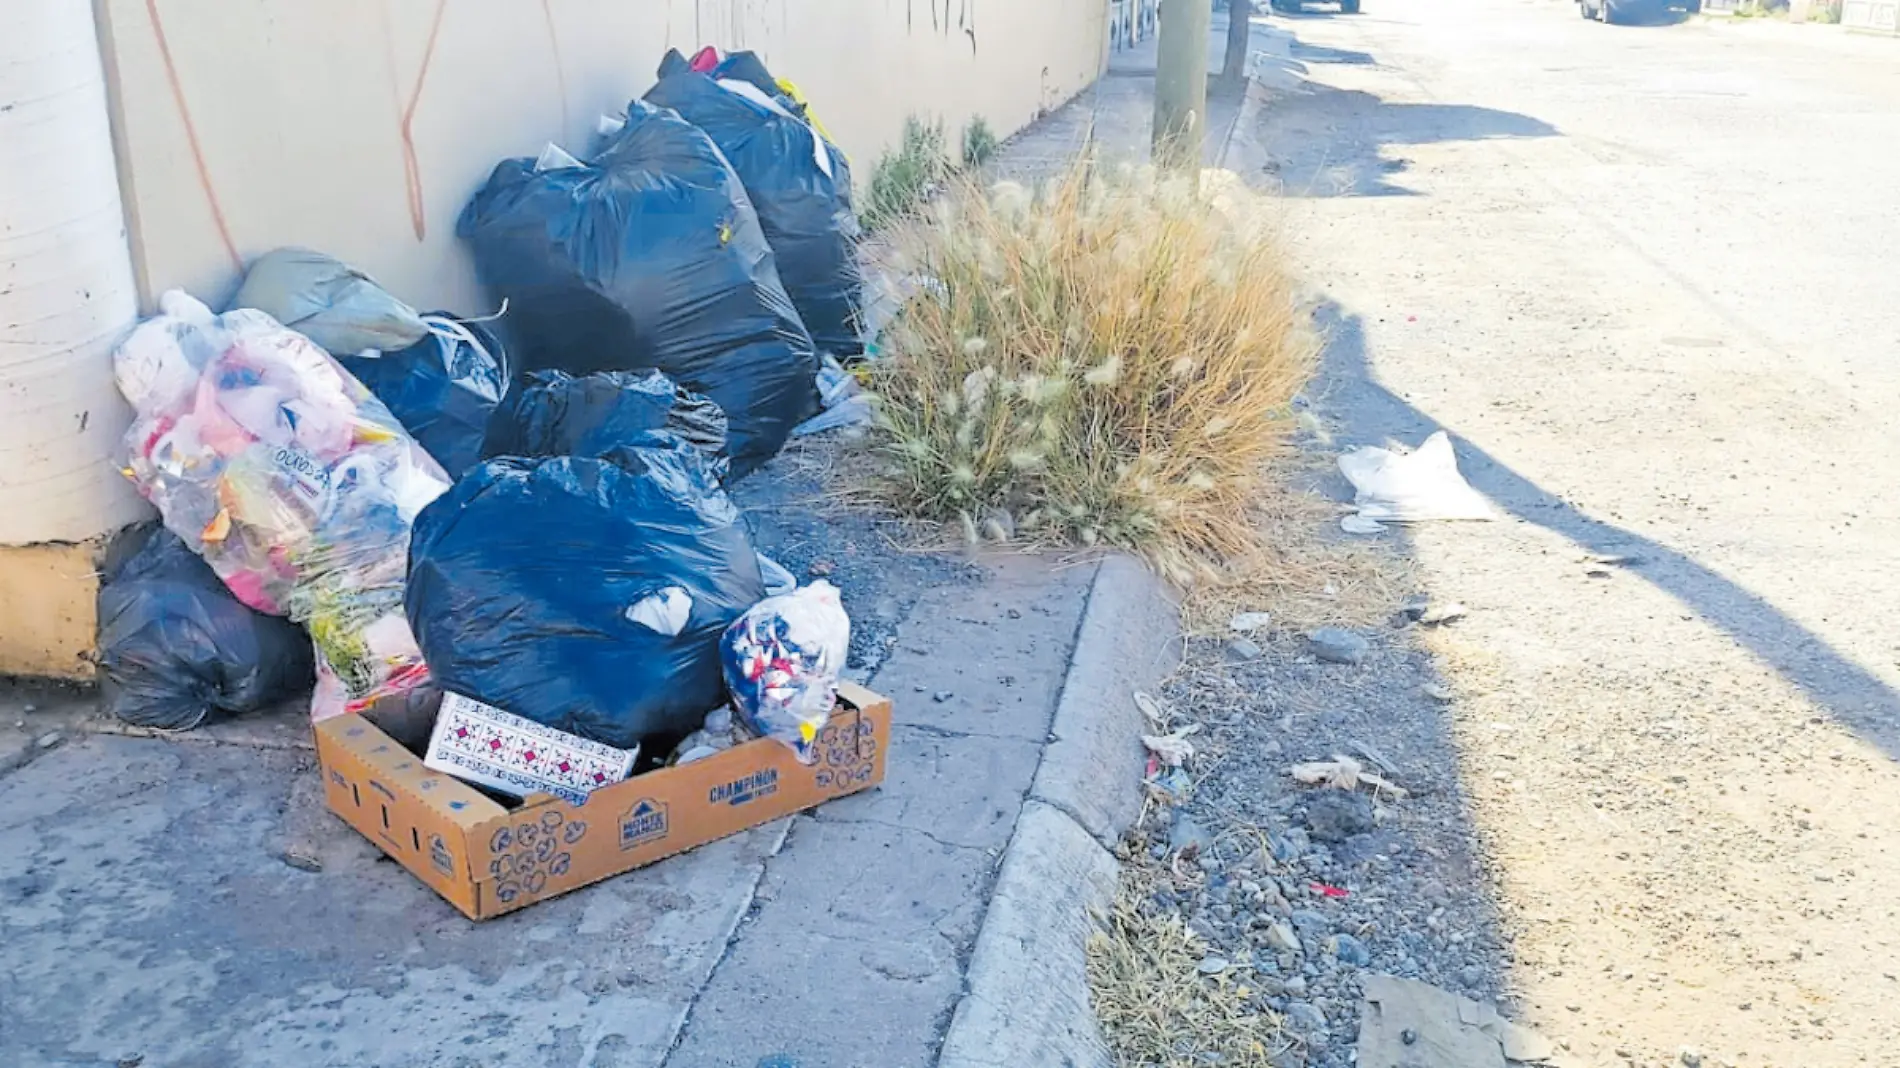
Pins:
x,y
487,859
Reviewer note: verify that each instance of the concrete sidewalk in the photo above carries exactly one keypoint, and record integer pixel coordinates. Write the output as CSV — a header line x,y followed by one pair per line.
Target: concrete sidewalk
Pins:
x,y
150,911
187,902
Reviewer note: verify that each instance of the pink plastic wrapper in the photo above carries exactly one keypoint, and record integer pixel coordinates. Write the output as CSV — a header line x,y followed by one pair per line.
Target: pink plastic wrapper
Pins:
x,y
292,480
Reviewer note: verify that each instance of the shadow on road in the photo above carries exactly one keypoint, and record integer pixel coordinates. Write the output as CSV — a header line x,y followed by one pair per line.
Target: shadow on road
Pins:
x,y
1329,142
1326,54
1853,696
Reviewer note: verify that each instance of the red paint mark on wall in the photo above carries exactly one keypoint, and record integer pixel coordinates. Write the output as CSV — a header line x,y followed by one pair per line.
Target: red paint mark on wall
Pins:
x,y
191,136
411,166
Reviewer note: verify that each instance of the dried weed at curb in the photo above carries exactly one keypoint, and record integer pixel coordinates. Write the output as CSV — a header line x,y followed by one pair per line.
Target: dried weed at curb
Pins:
x,y
1109,360
1303,571
1157,1009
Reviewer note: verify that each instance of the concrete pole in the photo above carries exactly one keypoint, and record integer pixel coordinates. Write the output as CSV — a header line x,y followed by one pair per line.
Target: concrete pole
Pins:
x,y
1181,84
1233,70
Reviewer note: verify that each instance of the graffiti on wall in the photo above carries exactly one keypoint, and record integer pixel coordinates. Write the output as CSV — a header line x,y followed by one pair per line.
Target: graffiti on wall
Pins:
x,y
940,20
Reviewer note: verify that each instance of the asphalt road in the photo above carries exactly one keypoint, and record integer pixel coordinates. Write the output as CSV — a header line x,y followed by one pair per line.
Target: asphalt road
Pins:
x,y
1645,275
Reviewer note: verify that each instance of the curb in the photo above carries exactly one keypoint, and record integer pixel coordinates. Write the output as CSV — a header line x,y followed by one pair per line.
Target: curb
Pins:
x,y
1026,989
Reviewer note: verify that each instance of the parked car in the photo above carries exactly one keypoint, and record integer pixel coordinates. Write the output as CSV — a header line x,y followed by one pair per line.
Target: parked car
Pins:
x,y
1292,7
1613,11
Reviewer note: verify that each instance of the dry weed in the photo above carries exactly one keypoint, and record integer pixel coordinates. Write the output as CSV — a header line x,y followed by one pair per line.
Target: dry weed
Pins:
x,y
1157,1010
1108,360
1301,569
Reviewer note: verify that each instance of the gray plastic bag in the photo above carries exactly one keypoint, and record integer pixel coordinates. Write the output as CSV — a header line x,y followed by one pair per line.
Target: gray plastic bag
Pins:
x,y
326,300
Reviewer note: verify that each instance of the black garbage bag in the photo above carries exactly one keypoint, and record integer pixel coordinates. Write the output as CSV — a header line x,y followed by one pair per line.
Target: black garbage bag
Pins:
x,y
799,183
176,649
443,389
649,256
550,588
553,413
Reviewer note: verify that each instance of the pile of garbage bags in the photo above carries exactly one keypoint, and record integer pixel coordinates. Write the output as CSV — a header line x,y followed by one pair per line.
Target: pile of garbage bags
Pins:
x,y
524,511
799,183
649,256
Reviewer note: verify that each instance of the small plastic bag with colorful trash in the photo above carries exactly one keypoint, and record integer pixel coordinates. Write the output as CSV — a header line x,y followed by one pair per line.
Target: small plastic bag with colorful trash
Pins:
x,y
782,660
290,478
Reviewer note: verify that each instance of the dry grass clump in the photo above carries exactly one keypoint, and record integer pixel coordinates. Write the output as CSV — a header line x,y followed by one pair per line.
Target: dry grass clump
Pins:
x,y
1107,360
1303,570
1157,1010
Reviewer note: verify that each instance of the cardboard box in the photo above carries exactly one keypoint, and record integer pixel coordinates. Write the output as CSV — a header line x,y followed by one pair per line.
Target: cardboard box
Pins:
x,y
487,859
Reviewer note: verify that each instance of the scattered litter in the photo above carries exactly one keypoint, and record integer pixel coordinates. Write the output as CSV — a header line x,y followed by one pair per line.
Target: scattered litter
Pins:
x,y
1438,691
1359,524
1411,487
1172,749
843,400
1173,783
1408,1024
1150,709
302,861
1343,773
1212,965
1437,615
1326,890
1248,622
782,659
176,648
49,740
1597,572
941,696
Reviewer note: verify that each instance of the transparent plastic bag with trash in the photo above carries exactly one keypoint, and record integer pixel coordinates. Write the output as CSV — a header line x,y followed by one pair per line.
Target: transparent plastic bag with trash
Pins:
x,y
290,478
782,661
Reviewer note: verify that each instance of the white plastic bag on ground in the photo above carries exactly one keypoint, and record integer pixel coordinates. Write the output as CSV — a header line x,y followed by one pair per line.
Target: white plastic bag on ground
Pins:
x,y
1410,487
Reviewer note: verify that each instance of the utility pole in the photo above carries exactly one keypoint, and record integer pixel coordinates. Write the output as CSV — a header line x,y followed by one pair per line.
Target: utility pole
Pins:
x,y
1233,71
1181,84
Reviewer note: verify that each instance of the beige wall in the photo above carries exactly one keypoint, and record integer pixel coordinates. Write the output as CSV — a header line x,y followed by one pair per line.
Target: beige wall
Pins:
x,y
298,105
48,608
